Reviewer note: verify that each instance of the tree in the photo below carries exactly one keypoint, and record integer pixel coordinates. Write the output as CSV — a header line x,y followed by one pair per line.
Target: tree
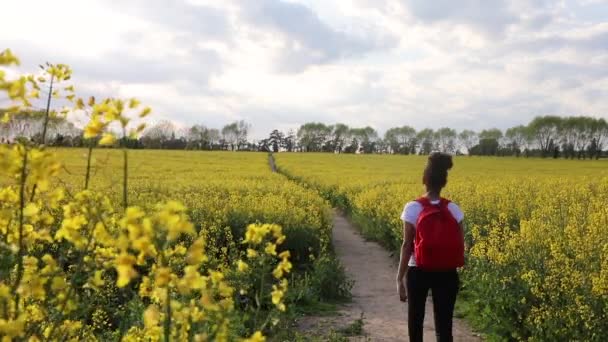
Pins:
x,y
24,124
156,136
546,130
29,125
195,136
392,139
426,140
313,135
242,129
492,133
369,137
230,134
276,140
486,147
401,140
468,139
340,134
577,135
446,139
518,138
599,132
290,141
363,140
263,145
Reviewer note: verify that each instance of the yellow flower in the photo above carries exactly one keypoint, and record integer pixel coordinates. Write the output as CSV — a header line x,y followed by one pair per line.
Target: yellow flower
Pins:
x,y
11,329
256,337
134,103
216,276
196,252
133,214
145,112
4,291
271,249
97,280
225,290
283,267
79,104
277,295
151,316
163,276
124,267
93,128
107,139
251,253
255,233
58,283
7,58
242,266
30,210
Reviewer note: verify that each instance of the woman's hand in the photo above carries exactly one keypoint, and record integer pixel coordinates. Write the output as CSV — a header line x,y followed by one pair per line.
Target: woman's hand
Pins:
x,y
401,289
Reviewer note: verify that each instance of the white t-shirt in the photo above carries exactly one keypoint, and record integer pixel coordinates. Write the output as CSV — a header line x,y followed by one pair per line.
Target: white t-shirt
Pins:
x,y
413,209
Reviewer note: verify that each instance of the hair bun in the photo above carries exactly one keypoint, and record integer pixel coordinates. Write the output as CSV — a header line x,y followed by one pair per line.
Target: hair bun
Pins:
x,y
440,161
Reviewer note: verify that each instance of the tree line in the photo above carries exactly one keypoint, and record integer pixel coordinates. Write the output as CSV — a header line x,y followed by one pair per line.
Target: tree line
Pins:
x,y
30,124
572,137
545,136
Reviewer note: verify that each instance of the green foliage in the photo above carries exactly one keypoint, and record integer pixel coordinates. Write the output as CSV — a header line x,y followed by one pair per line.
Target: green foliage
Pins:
x,y
354,329
536,233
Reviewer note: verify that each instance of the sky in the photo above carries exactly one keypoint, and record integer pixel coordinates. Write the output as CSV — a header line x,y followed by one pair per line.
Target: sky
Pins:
x,y
467,64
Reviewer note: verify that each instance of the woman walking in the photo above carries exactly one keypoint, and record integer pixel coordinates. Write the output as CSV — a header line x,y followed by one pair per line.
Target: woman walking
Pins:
x,y
432,250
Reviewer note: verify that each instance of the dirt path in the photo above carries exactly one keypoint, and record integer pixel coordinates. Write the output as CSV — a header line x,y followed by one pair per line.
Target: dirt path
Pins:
x,y
271,163
374,293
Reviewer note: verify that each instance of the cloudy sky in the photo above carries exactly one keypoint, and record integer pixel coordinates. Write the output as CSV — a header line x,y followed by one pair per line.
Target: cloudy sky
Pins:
x,y
277,64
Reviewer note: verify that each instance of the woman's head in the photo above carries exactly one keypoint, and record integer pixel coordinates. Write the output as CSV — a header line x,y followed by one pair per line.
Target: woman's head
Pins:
x,y
435,175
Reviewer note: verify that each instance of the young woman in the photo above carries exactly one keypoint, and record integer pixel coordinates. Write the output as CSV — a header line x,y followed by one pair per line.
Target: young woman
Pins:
x,y
442,251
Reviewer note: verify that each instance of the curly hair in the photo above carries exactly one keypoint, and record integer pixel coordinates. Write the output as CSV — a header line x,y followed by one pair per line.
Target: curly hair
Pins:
x,y
436,170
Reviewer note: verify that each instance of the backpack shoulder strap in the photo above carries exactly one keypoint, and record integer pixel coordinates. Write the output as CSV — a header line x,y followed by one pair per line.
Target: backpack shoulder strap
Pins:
x,y
425,202
444,202
428,208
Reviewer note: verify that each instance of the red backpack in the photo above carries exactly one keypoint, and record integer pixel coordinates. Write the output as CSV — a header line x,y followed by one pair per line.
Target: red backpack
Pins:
x,y
438,244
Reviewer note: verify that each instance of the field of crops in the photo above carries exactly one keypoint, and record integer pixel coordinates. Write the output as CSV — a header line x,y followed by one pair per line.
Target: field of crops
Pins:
x,y
219,189
537,232
537,235
208,246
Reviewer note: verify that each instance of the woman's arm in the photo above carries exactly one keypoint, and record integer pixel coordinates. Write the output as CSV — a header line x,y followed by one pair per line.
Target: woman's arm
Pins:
x,y
462,227
406,252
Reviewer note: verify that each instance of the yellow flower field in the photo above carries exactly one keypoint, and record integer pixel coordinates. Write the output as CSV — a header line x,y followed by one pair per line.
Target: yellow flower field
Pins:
x,y
124,245
537,231
161,269
219,189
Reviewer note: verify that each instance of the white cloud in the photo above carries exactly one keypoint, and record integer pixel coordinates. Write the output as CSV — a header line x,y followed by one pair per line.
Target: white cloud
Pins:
x,y
465,64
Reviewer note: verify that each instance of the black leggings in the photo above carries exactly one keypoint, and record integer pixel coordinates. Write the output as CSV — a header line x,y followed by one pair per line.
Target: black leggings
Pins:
x,y
444,287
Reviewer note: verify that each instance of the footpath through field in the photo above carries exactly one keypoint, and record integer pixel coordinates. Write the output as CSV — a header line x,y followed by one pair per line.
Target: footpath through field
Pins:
x,y
374,292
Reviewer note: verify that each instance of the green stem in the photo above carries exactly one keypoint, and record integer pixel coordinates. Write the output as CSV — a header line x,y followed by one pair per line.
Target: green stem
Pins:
x,y
88,174
21,251
125,200
191,329
8,226
44,127
46,114
259,298
79,268
167,325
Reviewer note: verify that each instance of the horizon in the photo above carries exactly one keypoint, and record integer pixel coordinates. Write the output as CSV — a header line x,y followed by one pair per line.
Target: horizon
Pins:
x,y
279,64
